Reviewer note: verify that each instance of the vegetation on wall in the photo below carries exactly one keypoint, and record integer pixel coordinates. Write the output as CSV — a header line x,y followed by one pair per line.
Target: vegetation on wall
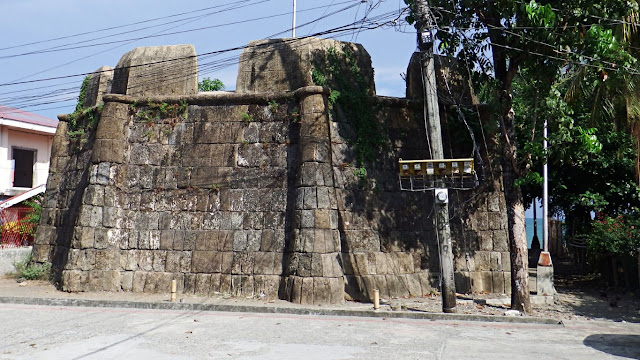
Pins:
x,y
83,118
352,95
152,112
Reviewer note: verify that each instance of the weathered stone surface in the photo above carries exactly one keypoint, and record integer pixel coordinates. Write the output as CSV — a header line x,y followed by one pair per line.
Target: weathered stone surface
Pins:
x,y
100,82
279,64
157,70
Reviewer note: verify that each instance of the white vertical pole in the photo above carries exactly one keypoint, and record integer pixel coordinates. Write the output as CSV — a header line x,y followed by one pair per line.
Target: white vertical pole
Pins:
x,y
545,194
293,26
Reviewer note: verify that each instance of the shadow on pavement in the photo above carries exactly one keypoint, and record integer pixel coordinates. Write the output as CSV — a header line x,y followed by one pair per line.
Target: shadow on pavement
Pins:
x,y
627,346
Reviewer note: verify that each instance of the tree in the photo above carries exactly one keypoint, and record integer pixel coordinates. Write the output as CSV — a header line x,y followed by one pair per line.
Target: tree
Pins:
x,y
499,40
208,84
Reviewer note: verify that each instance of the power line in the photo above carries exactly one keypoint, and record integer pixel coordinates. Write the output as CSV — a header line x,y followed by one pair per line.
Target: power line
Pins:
x,y
372,23
113,27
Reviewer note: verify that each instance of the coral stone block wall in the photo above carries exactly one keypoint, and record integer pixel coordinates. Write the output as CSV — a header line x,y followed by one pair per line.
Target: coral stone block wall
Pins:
x,y
251,193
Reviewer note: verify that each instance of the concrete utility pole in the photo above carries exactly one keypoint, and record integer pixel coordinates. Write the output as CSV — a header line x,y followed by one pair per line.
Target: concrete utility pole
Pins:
x,y
441,196
293,22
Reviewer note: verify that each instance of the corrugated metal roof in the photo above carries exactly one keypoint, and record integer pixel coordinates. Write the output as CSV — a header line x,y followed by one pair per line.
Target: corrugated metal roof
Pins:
x,y
10,113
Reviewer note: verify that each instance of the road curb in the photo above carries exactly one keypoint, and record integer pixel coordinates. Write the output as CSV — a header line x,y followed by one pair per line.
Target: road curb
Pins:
x,y
275,310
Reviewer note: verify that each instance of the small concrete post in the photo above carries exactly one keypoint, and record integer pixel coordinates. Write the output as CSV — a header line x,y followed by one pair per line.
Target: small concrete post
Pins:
x,y
376,299
174,286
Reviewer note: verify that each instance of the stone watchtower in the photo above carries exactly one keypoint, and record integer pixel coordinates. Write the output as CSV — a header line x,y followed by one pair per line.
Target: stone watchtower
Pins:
x,y
251,192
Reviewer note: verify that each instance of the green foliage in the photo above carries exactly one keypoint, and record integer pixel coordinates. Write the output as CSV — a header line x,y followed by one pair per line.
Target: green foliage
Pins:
x,y
273,106
246,117
163,112
28,270
83,118
83,94
318,77
619,235
350,91
361,174
35,203
208,84
295,115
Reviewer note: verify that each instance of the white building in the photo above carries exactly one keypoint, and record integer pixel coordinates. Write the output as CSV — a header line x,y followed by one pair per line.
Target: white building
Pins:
x,y
25,150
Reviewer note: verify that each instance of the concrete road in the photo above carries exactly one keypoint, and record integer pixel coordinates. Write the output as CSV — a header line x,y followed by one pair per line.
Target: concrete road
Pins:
x,y
47,332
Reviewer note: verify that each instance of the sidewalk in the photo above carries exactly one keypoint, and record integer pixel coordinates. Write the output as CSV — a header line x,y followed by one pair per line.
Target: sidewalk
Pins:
x,y
44,293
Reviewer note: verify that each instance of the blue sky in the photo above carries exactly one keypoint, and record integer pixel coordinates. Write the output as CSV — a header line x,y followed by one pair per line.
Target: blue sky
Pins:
x,y
29,21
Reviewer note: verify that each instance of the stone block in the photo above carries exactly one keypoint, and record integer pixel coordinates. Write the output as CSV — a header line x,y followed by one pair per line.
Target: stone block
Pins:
x,y
485,240
139,279
380,283
354,288
101,238
482,281
126,281
84,237
493,203
203,284
498,282
159,260
206,262
108,150
74,280
266,285
463,282
414,285
157,70
322,219
215,284
239,240
263,263
225,283
482,261
497,221
189,283
500,240
496,261
506,261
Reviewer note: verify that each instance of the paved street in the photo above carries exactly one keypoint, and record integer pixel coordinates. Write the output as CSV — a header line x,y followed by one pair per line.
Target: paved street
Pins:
x,y
46,332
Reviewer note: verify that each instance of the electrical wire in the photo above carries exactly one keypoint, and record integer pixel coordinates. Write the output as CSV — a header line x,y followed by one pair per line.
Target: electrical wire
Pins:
x,y
372,23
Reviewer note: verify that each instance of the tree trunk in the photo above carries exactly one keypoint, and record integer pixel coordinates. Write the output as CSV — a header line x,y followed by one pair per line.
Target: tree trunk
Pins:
x,y
505,71
515,214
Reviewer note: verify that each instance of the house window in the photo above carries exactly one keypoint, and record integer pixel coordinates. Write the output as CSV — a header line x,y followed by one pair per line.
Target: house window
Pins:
x,y
23,172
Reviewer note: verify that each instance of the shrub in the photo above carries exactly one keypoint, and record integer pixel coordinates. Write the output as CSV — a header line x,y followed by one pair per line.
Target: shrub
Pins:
x,y
618,235
29,270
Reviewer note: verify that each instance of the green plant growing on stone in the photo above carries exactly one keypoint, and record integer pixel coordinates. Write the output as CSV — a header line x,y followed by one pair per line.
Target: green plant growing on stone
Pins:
x,y
153,112
273,106
351,92
361,174
215,187
148,134
208,84
28,270
83,118
246,117
295,115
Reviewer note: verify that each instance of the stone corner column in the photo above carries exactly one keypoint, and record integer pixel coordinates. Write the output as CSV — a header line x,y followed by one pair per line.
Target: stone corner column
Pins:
x,y
313,274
